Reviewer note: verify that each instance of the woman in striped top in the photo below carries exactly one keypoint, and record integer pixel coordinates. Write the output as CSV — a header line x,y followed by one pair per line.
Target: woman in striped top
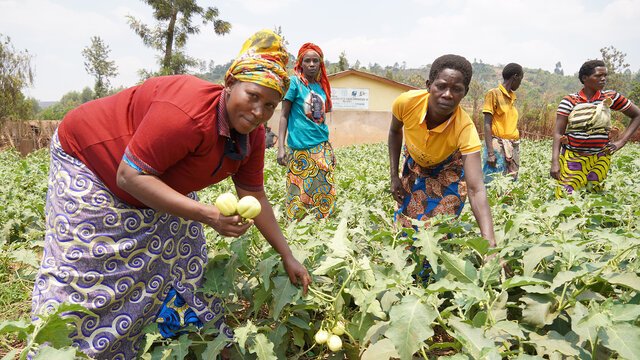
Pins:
x,y
582,145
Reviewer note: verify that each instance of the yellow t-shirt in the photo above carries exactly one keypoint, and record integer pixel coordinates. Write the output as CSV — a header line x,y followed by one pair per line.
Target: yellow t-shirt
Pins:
x,y
500,103
431,147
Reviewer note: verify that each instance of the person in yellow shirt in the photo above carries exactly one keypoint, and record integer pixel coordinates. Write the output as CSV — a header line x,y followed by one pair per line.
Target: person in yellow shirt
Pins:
x,y
501,136
442,151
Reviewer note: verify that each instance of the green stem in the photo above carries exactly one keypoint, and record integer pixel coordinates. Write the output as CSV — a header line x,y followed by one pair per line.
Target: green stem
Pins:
x,y
564,292
321,295
344,283
306,351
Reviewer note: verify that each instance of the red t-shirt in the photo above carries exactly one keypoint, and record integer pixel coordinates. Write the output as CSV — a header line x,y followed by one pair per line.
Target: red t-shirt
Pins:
x,y
174,127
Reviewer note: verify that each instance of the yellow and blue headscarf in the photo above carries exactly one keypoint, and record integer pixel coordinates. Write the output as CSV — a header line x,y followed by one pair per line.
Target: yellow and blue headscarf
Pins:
x,y
262,60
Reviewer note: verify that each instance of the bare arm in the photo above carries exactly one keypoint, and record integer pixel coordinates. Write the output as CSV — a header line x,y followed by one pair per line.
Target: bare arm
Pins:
x,y
282,131
267,224
156,194
558,132
395,145
634,113
488,139
478,195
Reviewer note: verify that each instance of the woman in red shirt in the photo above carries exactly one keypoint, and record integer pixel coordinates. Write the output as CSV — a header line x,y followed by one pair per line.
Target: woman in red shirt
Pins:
x,y
124,231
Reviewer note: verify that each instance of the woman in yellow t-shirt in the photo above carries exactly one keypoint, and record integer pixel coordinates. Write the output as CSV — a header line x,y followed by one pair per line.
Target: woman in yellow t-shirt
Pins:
x,y
442,149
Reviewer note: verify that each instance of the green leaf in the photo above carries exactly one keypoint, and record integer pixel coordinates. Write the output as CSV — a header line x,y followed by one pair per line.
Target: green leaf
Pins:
x,y
240,247
215,347
265,267
540,310
518,281
566,276
55,331
366,273
587,324
499,307
429,247
625,312
180,348
149,339
472,339
339,245
11,355
21,328
26,256
444,285
380,350
360,325
479,244
462,270
296,321
263,348
284,293
457,356
397,257
410,325
628,279
552,342
260,296
533,256
243,333
327,264
622,338
490,271
509,327
49,353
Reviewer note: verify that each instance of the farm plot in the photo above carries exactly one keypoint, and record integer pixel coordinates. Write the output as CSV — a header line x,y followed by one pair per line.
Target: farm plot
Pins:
x,y
568,285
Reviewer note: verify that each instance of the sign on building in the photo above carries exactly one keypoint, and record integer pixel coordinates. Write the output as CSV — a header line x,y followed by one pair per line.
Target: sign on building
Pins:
x,y
350,98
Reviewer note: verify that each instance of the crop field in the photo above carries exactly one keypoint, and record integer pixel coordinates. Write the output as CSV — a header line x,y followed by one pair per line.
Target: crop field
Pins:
x,y
567,288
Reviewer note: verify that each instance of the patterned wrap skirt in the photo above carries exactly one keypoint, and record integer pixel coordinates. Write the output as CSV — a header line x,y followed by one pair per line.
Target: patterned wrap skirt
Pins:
x,y
507,154
431,191
310,183
118,261
579,171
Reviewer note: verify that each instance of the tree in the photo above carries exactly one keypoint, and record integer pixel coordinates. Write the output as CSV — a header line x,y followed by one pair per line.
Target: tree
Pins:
x,y
174,25
343,63
558,70
68,102
98,65
476,95
617,66
15,74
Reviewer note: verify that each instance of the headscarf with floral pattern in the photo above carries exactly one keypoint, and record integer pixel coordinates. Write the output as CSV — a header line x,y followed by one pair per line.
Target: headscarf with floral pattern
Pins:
x,y
262,60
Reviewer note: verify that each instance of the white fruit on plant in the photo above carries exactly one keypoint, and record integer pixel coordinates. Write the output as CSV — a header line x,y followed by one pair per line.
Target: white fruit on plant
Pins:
x,y
249,207
321,336
334,343
227,203
338,328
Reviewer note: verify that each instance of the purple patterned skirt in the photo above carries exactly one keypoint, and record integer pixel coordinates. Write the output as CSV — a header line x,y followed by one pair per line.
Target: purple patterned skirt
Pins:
x,y
116,260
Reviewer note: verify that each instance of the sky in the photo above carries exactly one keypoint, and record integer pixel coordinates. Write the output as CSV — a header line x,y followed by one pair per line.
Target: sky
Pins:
x,y
533,33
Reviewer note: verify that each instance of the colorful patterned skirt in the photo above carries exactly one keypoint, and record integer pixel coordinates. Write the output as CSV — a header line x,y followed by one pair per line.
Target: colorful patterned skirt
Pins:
x,y
310,184
439,189
579,171
118,261
507,154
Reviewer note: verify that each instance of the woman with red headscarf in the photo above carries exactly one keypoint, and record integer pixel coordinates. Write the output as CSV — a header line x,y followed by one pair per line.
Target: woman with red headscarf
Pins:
x,y
310,159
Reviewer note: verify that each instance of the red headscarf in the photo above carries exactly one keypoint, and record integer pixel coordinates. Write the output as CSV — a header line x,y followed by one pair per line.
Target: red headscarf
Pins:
x,y
322,75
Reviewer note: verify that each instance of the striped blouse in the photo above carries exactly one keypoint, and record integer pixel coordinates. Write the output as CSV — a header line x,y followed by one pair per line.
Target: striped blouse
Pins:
x,y
586,140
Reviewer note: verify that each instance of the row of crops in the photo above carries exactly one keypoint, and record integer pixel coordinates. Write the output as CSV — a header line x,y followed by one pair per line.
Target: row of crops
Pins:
x,y
568,286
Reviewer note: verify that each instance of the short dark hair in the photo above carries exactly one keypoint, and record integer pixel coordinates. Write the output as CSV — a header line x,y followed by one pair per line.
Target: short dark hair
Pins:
x,y
454,62
588,68
510,70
